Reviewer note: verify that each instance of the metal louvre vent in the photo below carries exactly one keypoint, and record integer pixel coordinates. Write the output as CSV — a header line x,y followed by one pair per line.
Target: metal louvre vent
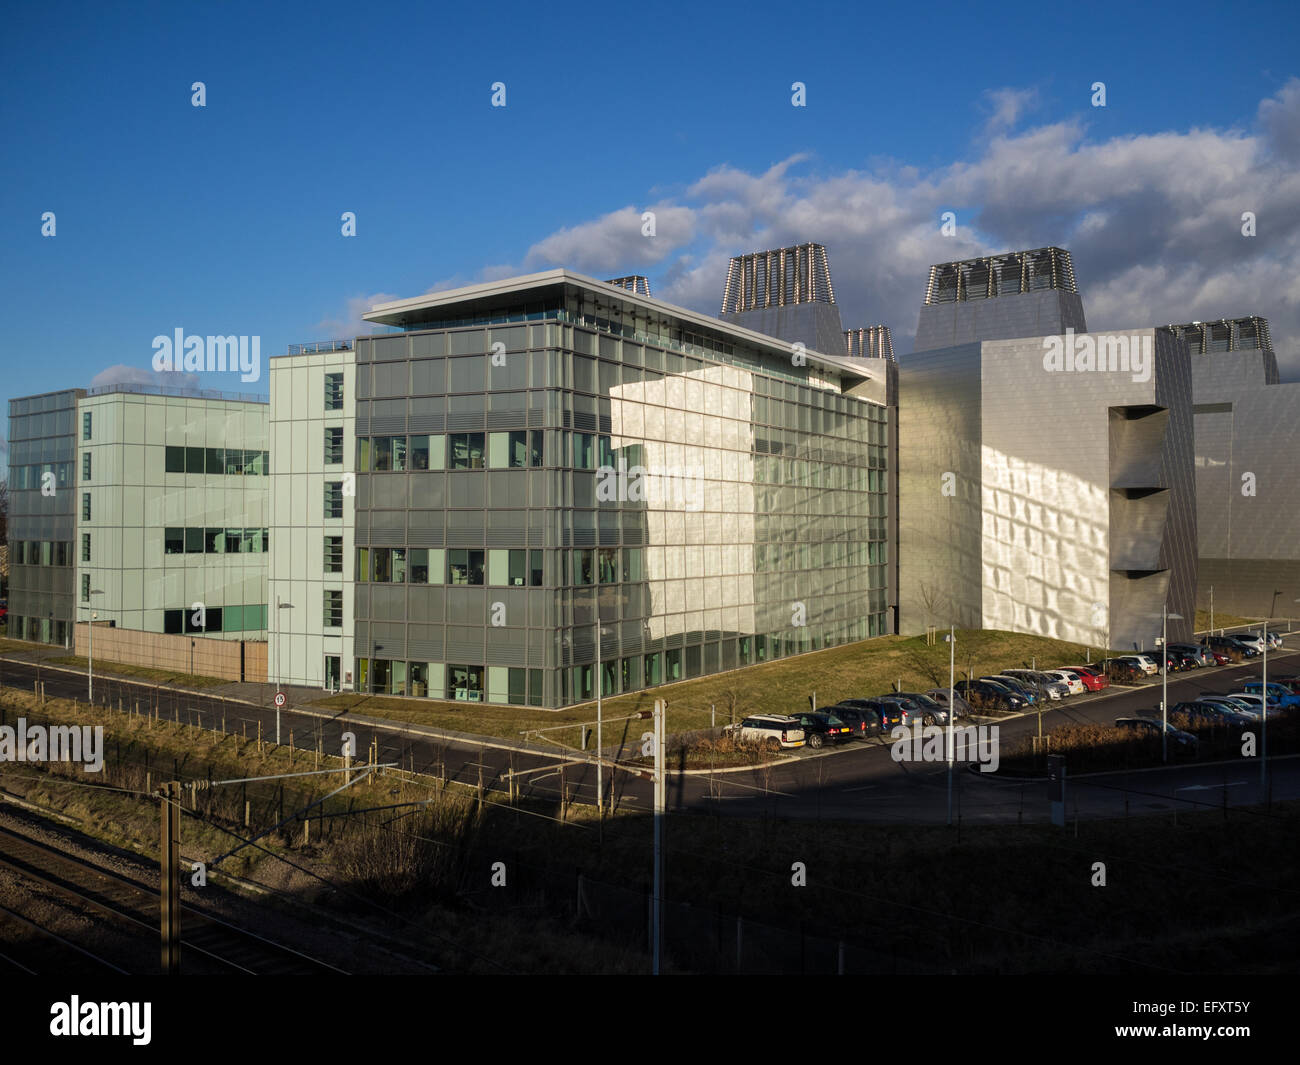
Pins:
x,y
388,425
1008,274
464,650
869,342
635,283
781,277
464,420
433,422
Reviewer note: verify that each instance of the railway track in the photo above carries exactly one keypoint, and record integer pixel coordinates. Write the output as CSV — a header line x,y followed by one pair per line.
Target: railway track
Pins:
x,y
208,943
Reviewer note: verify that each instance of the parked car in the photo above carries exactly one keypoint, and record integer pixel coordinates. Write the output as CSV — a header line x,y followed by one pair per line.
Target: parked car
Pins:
x,y
1221,656
1214,714
1238,706
1255,702
1201,654
1051,687
1093,676
909,712
1070,679
759,728
963,707
1122,671
931,711
1024,689
821,728
990,694
863,722
1291,681
1252,640
890,714
1180,742
1280,693
1183,660
1146,663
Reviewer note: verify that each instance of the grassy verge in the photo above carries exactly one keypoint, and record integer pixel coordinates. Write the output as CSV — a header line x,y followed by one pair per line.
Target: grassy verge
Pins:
x,y
160,676
1221,620
857,670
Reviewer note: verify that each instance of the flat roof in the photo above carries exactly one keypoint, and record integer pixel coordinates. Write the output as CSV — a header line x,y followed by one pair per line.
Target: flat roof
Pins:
x,y
395,312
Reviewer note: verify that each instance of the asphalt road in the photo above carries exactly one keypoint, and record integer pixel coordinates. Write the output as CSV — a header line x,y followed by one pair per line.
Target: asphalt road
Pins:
x,y
861,782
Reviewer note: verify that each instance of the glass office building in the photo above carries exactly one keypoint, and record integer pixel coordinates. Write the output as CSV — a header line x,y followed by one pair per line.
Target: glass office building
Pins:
x,y
550,461
42,515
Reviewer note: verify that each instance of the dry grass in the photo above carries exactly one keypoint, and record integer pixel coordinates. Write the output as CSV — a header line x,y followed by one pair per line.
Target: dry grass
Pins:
x,y
857,670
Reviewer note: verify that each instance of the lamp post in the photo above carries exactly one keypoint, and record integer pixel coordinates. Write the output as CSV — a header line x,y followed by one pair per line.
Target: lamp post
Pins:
x,y
1164,679
952,706
90,655
600,691
278,629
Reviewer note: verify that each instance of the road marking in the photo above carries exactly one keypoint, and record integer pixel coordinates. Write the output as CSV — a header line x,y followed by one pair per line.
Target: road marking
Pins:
x,y
864,787
1211,787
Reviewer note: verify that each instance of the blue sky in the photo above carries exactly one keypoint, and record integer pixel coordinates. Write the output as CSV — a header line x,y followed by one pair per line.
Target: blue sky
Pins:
x,y
226,218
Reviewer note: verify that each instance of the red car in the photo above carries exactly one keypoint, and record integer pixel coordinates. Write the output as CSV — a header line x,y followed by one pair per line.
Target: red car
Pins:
x,y
1093,679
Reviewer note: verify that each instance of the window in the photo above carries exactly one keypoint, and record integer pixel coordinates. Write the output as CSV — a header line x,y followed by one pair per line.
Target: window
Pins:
x,y
399,565
535,452
333,445
362,572
363,453
333,391
383,564
194,460
419,565
85,465
173,541
535,568
381,450
333,499
172,621
333,608
62,553
419,453
214,541
85,506
85,547
216,460
85,587
234,460
464,567
86,422
194,541
232,537
508,450
467,451
608,565
333,554
175,460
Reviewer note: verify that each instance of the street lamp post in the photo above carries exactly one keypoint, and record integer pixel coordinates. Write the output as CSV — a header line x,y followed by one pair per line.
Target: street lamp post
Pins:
x,y
90,653
600,685
1164,680
278,628
952,705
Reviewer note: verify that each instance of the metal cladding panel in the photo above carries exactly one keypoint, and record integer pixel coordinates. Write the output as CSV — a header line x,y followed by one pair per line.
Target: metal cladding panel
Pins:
x,y
939,474
1062,519
1248,494
1026,314
816,325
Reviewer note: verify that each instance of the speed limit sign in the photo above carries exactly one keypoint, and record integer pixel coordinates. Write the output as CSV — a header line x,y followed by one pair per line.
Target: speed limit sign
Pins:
x,y
279,698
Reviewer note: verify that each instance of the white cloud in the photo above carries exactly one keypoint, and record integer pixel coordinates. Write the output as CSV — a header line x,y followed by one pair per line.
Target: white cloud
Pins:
x,y
1153,223
349,323
1006,106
